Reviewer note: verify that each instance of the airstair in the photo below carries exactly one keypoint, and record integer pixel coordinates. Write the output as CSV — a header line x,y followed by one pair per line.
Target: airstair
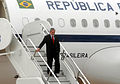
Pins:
x,y
69,73
31,66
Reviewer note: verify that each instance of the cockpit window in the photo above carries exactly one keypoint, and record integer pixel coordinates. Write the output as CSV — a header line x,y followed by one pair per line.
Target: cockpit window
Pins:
x,y
73,22
106,23
95,23
50,21
117,23
84,23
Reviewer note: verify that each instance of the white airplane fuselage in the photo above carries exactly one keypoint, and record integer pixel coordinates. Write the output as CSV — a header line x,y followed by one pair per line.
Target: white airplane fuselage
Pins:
x,y
89,30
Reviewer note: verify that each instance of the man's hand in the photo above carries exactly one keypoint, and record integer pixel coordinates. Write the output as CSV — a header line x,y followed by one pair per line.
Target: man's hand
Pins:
x,y
38,49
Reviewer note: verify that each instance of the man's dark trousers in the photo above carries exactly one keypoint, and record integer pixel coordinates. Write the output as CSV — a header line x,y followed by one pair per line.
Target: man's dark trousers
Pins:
x,y
52,51
50,58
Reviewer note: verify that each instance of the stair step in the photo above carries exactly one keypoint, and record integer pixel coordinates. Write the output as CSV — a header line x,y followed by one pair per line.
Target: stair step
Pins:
x,y
29,46
36,55
41,63
34,51
64,82
44,67
61,71
38,58
60,74
60,78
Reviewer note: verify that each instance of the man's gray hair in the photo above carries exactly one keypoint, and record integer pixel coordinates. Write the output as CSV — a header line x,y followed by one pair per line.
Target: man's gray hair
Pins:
x,y
52,29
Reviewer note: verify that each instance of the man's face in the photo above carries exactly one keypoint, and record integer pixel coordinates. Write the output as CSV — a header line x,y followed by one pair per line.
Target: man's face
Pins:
x,y
52,32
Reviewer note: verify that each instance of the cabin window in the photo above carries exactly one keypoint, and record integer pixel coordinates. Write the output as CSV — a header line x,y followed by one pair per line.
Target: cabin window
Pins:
x,y
95,23
61,22
117,23
106,23
25,20
73,22
50,21
37,19
84,23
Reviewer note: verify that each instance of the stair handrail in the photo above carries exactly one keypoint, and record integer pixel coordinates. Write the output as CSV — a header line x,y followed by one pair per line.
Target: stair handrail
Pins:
x,y
75,65
46,31
2,54
19,37
23,43
81,80
28,39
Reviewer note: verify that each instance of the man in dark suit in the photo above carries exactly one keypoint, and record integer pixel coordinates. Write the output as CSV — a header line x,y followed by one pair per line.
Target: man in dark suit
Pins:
x,y
52,49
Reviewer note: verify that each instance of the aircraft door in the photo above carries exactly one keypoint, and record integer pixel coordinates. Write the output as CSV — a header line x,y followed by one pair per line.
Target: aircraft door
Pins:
x,y
5,33
34,31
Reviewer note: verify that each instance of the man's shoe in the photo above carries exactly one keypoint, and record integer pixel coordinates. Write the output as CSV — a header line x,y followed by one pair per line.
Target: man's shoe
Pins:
x,y
51,74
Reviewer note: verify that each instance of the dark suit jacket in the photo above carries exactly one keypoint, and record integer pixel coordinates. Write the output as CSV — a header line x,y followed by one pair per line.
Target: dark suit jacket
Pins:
x,y
50,48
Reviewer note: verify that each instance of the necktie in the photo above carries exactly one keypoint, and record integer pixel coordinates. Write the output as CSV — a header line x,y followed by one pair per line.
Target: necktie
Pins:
x,y
53,39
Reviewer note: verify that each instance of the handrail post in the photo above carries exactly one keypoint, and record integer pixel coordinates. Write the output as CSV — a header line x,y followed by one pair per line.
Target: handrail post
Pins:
x,y
77,74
